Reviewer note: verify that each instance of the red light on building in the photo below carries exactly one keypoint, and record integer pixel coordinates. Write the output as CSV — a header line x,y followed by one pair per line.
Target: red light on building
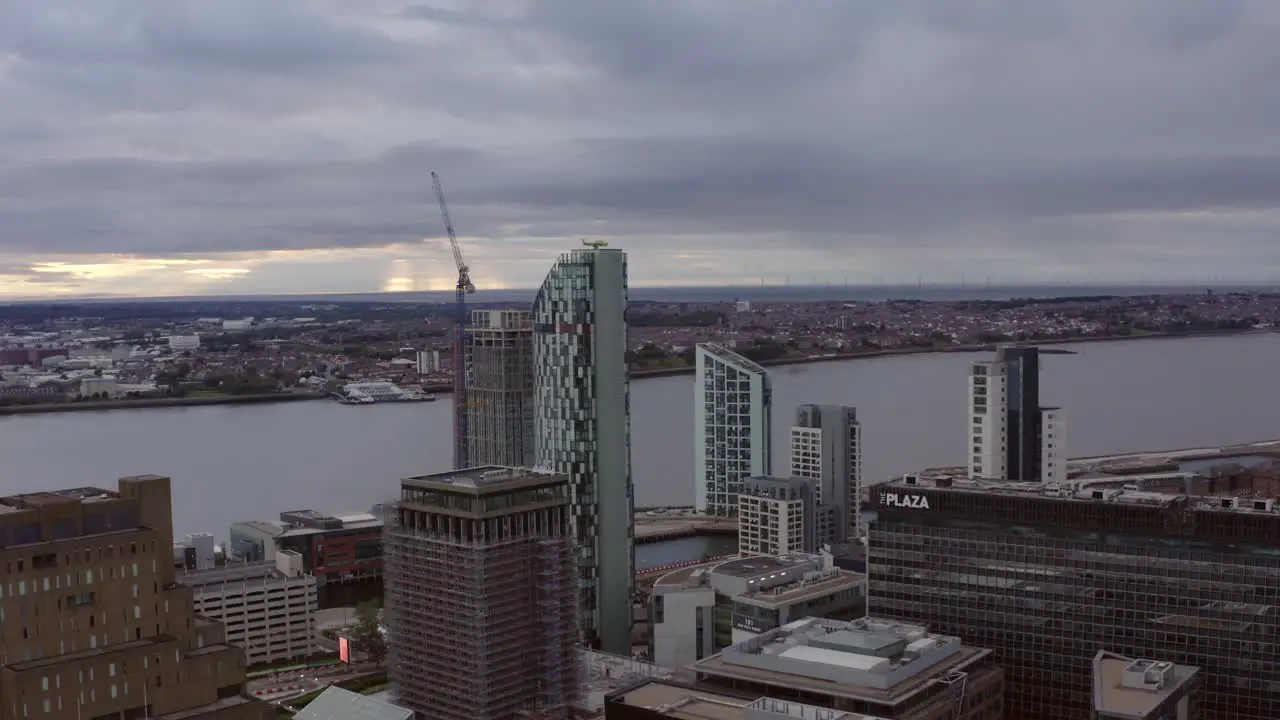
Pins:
x,y
344,649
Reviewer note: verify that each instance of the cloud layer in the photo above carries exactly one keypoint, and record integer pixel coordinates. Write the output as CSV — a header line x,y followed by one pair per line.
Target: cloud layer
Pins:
x,y
162,146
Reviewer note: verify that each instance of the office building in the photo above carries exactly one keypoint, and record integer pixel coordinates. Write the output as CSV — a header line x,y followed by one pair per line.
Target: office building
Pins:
x,y
1011,436
482,595
343,552
92,624
873,666
582,428
195,552
778,516
732,408
826,446
1129,689
1046,573
267,608
500,388
695,612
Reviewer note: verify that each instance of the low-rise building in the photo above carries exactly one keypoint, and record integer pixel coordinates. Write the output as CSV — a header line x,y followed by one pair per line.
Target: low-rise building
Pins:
x,y
1129,689
336,549
267,608
180,343
697,611
880,668
196,551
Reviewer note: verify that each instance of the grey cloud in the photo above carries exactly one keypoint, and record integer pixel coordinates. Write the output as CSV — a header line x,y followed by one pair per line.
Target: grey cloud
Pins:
x,y
903,126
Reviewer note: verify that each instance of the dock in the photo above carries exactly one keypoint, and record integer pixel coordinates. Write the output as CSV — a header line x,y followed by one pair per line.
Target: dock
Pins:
x,y
658,526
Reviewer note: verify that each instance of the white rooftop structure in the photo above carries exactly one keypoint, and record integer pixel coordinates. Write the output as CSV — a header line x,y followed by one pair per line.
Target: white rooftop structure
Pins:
x,y
339,704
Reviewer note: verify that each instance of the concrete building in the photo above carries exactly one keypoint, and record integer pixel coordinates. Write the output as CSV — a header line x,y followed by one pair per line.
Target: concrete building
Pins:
x,y
697,611
826,447
777,516
181,343
482,595
428,361
1042,573
876,667
338,550
1129,689
500,388
92,624
732,435
267,608
1011,436
196,552
337,703
582,428
239,325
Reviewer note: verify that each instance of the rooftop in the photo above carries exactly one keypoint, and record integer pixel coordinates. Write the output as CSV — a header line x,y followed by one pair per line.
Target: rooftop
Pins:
x,y
692,703
1123,687
336,703
483,480
730,357
873,660
28,501
235,574
1151,489
753,567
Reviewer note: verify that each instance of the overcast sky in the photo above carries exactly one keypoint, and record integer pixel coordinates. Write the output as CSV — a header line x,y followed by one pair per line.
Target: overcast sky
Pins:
x,y
160,147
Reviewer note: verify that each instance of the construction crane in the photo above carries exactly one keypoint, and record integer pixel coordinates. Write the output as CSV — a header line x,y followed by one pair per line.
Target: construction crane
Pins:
x,y
461,449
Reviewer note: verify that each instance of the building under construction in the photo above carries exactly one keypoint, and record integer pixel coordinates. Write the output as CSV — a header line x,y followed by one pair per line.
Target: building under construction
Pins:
x,y
500,388
482,595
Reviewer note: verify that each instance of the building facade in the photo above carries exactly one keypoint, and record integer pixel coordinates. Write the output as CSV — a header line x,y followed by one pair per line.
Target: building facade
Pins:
x,y
92,624
267,608
826,447
582,428
500,388
776,516
482,595
342,552
1046,574
1009,429
732,434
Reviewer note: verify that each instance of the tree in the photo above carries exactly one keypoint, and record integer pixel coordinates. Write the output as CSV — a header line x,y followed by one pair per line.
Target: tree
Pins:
x,y
367,633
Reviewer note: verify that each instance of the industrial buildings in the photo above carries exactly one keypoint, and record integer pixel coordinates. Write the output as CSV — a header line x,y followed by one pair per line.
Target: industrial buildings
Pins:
x,y
776,516
826,447
582,428
482,595
341,551
267,608
499,362
1177,567
1012,436
698,611
92,624
732,435
869,666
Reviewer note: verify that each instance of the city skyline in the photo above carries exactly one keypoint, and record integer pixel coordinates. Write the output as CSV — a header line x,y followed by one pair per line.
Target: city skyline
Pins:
x,y
186,148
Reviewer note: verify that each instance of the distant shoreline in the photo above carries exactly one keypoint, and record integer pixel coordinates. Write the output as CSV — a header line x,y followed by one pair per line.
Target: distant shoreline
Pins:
x,y
445,389
140,403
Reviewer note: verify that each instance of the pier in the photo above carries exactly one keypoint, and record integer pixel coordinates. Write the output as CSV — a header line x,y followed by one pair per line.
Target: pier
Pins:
x,y
660,525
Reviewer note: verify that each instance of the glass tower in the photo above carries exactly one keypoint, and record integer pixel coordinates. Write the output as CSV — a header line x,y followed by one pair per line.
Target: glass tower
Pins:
x,y
582,428
732,407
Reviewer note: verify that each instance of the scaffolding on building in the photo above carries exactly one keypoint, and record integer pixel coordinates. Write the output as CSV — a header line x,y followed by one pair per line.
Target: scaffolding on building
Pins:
x,y
478,627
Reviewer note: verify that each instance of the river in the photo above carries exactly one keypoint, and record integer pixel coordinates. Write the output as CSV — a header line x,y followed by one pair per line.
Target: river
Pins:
x,y
244,462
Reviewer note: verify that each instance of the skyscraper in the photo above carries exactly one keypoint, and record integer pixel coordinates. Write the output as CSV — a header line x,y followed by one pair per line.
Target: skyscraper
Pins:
x,y
732,409
92,624
826,447
582,427
482,595
500,388
1011,436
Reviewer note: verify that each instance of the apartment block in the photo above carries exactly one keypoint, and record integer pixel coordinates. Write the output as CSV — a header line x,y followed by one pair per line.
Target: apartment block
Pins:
x,y
777,516
482,595
499,364
92,624
267,608
1009,431
732,432
826,447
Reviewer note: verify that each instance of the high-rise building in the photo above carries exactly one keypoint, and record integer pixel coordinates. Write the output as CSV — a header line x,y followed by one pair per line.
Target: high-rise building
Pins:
x,y
732,409
1011,436
582,428
92,624
826,447
482,595
776,516
1047,574
500,388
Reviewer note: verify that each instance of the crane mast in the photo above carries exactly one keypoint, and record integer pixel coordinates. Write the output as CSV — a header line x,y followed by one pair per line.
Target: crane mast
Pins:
x,y
461,445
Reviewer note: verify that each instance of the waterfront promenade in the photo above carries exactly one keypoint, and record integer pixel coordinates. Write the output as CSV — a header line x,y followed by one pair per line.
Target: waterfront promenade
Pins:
x,y
659,525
